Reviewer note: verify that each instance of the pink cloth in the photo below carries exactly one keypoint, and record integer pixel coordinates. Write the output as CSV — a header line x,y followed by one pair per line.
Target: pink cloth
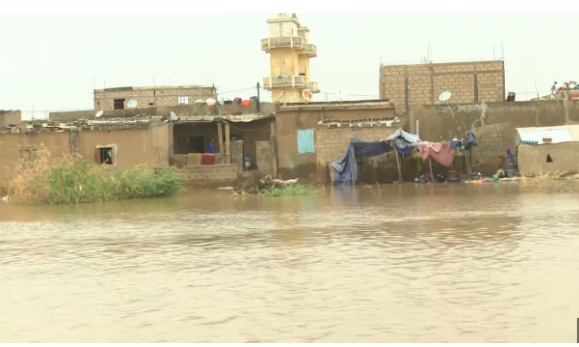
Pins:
x,y
439,151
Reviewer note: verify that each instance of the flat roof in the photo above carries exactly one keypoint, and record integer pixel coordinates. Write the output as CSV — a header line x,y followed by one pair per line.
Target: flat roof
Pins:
x,y
120,89
337,104
457,62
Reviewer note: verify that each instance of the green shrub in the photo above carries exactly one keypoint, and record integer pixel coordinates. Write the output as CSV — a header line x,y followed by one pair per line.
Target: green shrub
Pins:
x,y
75,181
296,190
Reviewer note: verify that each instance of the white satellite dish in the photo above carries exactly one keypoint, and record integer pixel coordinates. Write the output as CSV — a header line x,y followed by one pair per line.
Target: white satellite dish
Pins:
x,y
173,116
307,94
132,103
444,96
99,114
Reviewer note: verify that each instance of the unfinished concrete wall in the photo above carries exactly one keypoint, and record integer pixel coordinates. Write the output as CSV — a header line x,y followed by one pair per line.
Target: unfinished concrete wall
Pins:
x,y
10,117
237,154
290,119
532,160
132,147
251,133
332,144
13,144
160,144
264,157
421,84
495,121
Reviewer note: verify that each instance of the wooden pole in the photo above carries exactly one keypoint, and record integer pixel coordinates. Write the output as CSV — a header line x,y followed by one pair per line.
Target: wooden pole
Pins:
x,y
430,164
220,138
273,142
469,163
227,145
352,163
398,165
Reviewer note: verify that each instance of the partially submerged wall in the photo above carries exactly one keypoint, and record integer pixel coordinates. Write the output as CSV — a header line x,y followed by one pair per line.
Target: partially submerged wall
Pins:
x,y
533,160
493,123
132,147
332,144
292,118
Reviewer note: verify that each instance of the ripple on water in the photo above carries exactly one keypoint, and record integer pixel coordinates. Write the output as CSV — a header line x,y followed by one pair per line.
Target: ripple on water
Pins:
x,y
415,264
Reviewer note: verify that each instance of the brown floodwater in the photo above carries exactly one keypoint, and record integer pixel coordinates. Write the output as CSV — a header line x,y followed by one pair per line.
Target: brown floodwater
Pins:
x,y
409,263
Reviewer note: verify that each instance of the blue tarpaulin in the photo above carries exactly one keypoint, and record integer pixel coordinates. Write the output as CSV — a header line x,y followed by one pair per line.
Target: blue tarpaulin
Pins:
x,y
345,168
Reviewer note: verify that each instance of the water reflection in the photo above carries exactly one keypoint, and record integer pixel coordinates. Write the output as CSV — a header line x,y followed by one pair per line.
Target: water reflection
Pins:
x,y
397,263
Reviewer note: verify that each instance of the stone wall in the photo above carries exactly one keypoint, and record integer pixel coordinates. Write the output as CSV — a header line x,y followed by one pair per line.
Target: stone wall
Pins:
x,y
532,160
264,157
421,84
10,117
209,175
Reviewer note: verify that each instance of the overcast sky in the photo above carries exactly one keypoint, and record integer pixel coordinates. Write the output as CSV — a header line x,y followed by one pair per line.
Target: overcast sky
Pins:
x,y
53,62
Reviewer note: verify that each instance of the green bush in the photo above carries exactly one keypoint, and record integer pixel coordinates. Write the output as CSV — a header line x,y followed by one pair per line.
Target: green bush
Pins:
x,y
76,181
296,190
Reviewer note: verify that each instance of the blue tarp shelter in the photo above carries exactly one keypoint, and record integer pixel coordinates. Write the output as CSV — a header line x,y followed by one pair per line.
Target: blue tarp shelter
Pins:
x,y
346,170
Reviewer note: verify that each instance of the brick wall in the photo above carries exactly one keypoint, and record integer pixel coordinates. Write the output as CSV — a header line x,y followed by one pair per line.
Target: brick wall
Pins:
x,y
10,117
331,145
468,82
264,157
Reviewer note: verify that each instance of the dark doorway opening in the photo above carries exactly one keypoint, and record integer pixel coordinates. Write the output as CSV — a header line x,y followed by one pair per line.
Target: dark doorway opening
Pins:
x,y
549,160
195,144
119,104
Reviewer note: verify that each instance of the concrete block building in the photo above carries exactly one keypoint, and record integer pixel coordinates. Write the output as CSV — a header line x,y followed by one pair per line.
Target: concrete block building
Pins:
x,y
146,97
421,84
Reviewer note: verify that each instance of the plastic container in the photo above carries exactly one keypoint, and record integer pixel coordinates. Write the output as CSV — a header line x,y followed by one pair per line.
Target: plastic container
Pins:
x,y
495,176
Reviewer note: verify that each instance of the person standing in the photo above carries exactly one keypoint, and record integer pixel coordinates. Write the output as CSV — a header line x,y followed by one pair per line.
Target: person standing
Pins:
x,y
212,149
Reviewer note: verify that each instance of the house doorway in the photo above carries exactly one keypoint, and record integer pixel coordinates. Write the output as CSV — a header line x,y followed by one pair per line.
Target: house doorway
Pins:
x,y
195,144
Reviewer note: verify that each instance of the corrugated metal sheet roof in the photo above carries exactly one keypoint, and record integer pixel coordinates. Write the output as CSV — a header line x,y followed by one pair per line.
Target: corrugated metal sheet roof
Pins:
x,y
564,133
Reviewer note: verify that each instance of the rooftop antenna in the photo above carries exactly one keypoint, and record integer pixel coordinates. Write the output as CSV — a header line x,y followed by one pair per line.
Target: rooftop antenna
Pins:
x,y
502,51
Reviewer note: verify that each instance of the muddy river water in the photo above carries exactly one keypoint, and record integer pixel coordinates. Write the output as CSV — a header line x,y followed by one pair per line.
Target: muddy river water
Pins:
x,y
457,263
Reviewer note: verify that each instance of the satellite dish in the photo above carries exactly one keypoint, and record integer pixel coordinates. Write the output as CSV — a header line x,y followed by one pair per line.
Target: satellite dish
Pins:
x,y
307,94
99,114
444,96
132,104
173,116
210,102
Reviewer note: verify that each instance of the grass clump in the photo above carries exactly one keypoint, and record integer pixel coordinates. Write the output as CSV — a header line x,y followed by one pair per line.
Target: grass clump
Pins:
x,y
293,190
71,180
